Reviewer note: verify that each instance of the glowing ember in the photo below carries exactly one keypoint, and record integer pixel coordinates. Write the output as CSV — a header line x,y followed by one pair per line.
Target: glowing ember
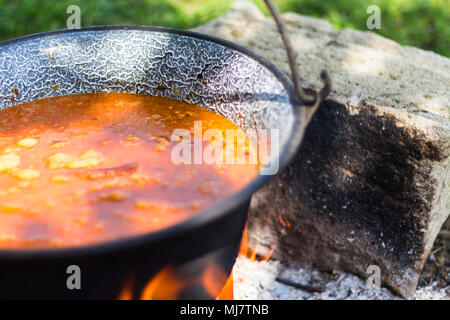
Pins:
x,y
284,222
127,291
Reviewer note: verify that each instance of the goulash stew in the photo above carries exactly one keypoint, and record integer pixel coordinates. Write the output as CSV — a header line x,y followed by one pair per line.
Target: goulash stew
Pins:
x,y
84,169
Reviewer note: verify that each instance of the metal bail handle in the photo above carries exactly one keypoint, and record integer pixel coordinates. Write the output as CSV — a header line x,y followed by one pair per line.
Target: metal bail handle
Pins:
x,y
313,100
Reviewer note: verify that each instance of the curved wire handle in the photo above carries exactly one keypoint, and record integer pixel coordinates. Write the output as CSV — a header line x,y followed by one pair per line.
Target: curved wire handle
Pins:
x,y
315,98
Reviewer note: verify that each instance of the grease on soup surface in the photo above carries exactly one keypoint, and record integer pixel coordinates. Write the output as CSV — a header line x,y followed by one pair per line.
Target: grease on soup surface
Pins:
x,y
84,169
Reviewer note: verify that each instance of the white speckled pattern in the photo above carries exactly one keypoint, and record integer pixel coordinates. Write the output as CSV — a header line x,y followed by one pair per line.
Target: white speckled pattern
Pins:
x,y
147,61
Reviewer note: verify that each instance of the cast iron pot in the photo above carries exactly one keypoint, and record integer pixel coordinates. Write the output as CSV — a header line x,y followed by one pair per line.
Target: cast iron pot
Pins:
x,y
207,71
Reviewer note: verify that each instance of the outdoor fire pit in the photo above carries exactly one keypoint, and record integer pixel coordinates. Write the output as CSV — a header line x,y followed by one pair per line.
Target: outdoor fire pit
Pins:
x,y
189,260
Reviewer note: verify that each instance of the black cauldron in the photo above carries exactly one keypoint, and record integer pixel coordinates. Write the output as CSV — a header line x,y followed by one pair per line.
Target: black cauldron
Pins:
x,y
207,71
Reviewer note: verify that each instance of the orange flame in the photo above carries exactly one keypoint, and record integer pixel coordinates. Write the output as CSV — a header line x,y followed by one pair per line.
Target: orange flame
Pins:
x,y
167,285
243,249
227,292
268,255
127,291
213,281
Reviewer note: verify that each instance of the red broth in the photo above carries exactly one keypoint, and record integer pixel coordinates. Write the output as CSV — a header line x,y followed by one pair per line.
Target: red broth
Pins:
x,y
84,169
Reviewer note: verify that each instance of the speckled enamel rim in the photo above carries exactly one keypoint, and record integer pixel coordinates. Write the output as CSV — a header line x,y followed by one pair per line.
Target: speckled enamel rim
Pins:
x,y
223,207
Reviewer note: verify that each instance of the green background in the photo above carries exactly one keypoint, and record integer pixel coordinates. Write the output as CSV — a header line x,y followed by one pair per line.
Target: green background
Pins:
x,y
421,23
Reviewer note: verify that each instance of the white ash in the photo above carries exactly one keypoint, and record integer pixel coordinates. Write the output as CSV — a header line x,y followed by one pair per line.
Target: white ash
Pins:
x,y
260,280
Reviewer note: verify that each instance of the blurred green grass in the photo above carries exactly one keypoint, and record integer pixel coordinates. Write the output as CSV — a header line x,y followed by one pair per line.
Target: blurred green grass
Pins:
x,y
421,23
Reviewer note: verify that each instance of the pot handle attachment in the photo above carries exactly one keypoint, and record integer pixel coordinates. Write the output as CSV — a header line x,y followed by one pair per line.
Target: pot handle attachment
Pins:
x,y
312,100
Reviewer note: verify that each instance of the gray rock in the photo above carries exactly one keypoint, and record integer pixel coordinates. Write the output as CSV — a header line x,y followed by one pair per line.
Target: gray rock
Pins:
x,y
261,280
370,184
